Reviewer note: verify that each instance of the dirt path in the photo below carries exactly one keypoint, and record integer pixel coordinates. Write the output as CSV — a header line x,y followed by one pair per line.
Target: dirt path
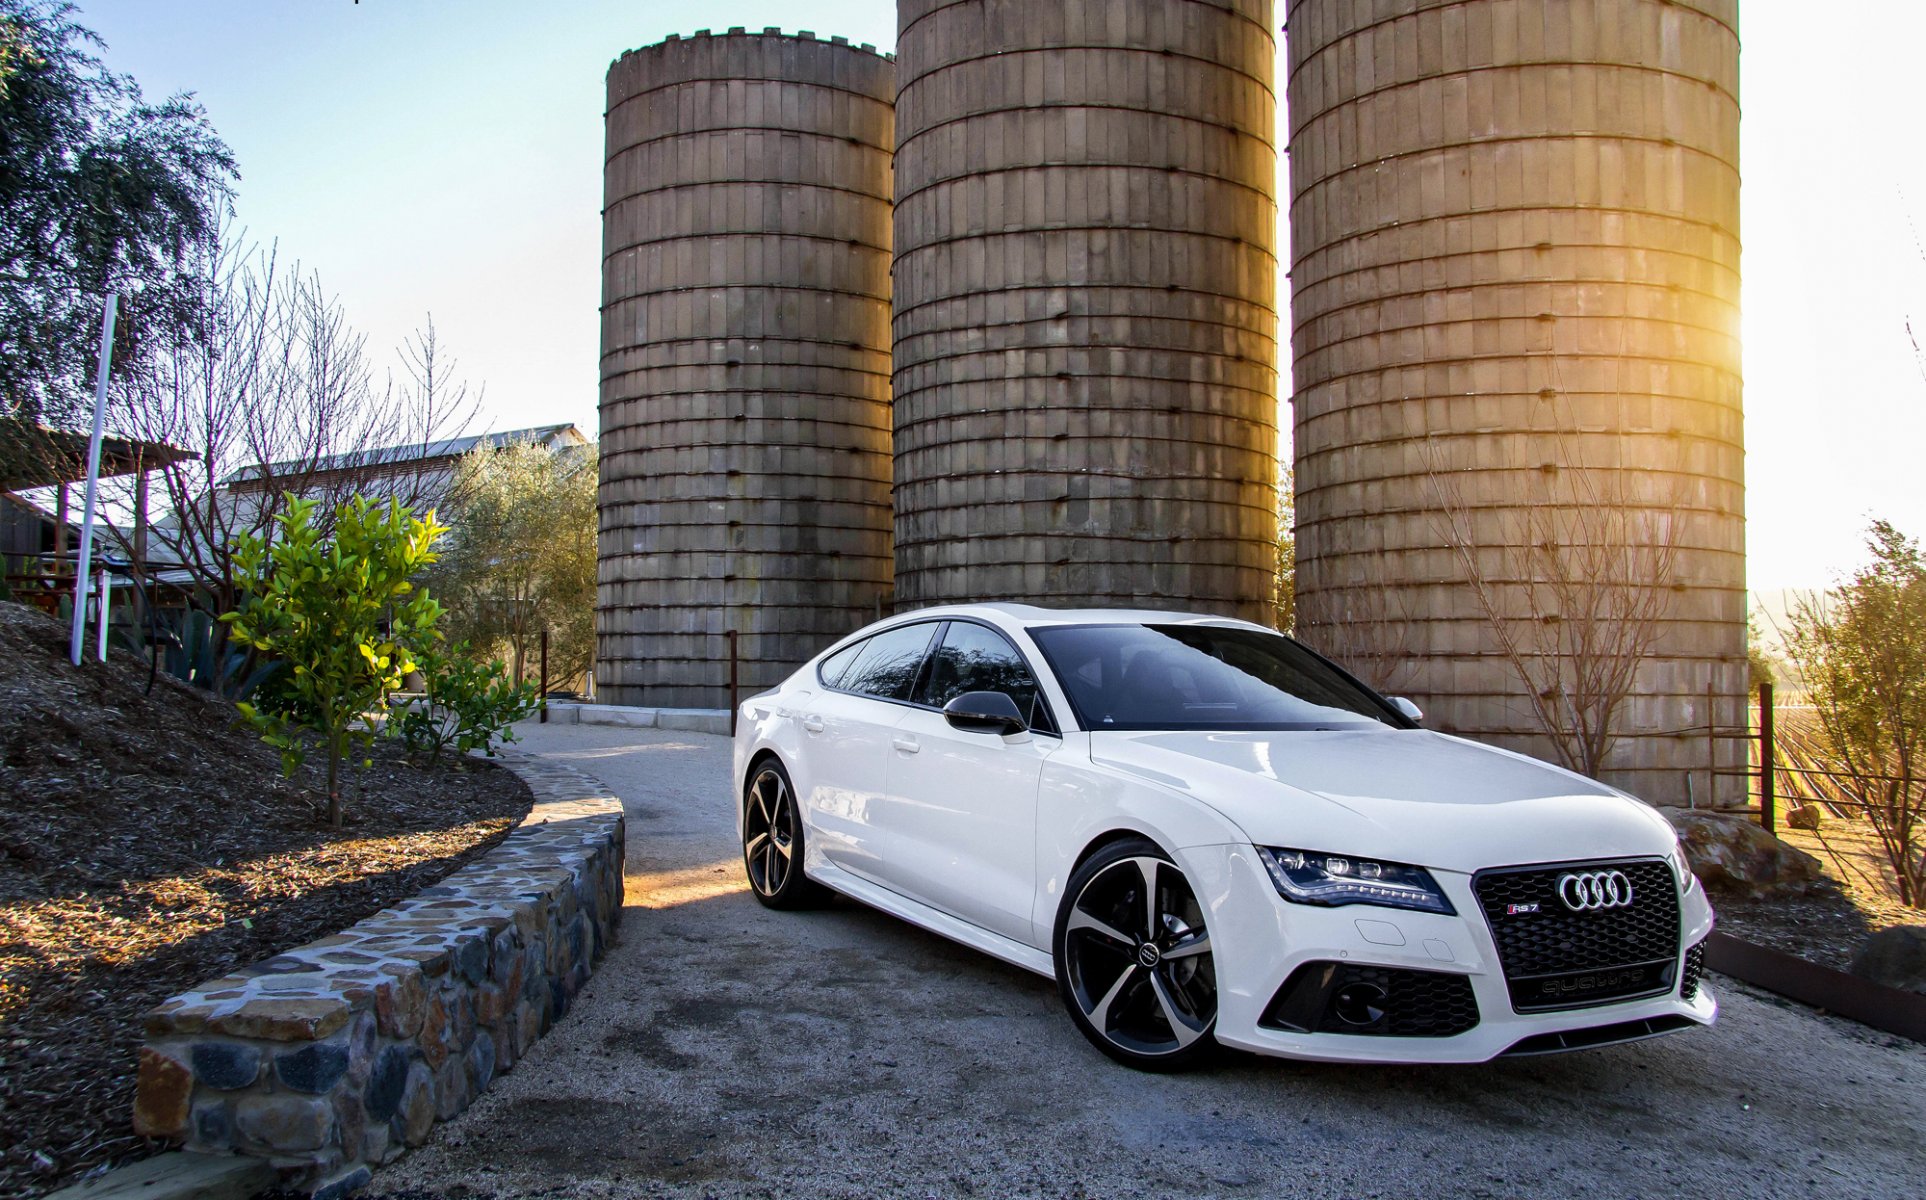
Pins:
x,y
724,1050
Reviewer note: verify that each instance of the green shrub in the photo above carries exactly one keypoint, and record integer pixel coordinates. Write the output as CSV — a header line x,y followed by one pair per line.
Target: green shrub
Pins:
x,y
467,705
344,615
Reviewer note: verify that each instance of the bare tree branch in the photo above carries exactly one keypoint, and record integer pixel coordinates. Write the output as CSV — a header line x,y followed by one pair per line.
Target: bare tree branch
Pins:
x,y
279,397
1581,590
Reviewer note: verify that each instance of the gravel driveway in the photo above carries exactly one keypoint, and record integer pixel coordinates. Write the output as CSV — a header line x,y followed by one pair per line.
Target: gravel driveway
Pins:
x,y
724,1050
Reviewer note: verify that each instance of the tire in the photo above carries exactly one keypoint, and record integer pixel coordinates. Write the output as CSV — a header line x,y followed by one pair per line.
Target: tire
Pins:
x,y
1134,961
772,840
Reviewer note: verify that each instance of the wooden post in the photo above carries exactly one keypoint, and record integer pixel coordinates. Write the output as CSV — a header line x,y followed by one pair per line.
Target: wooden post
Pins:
x,y
735,699
138,576
140,517
1767,801
1711,749
60,526
103,602
544,719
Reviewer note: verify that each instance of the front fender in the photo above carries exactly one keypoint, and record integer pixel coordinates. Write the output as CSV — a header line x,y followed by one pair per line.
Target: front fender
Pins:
x,y
1081,803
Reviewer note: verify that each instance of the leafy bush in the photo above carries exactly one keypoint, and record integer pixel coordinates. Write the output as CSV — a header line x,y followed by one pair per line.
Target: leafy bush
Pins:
x,y
468,705
1861,652
343,613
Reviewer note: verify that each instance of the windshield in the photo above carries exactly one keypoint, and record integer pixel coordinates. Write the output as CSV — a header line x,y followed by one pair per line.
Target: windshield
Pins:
x,y
1202,677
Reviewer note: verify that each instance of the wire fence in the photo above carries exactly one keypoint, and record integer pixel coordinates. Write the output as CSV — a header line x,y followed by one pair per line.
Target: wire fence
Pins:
x,y
1790,739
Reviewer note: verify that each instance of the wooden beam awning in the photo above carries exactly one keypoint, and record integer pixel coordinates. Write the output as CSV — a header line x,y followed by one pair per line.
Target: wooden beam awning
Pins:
x,y
33,455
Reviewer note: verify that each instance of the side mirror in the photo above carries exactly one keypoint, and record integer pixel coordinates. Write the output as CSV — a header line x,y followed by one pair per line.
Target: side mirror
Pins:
x,y
984,712
1409,709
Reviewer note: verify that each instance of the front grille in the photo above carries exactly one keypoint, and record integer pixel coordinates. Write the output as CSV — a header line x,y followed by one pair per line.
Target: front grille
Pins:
x,y
1555,958
1694,969
1329,997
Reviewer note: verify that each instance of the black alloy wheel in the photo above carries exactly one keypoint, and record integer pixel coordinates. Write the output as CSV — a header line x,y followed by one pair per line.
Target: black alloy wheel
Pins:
x,y
772,840
1134,958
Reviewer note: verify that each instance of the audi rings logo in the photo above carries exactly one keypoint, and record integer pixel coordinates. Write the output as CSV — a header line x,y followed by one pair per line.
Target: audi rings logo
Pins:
x,y
1595,890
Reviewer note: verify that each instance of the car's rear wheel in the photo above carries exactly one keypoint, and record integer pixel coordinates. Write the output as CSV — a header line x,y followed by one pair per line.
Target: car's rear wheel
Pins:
x,y
1134,959
772,840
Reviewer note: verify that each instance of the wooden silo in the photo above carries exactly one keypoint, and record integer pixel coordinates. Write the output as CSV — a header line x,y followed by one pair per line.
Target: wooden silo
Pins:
x,y
1086,304
1515,310
745,360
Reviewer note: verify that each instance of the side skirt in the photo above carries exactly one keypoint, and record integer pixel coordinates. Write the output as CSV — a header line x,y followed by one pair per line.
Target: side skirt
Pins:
x,y
935,920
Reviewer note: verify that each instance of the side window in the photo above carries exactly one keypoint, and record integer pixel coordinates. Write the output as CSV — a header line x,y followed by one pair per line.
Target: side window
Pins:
x,y
975,659
833,667
889,662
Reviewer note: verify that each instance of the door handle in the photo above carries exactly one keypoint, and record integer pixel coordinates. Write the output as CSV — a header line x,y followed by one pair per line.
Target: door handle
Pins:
x,y
908,745
812,723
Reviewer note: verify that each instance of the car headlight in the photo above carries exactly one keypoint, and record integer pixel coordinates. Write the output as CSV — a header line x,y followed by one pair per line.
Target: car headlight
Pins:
x,y
1307,877
1683,865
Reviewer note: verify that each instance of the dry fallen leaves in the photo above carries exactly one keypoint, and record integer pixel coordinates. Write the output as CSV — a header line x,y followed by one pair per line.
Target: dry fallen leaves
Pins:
x,y
147,843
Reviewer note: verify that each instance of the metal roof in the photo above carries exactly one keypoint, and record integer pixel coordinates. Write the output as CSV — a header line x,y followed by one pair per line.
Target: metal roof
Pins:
x,y
384,456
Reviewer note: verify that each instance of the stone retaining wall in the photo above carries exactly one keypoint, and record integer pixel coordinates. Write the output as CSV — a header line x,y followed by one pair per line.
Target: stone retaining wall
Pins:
x,y
336,1057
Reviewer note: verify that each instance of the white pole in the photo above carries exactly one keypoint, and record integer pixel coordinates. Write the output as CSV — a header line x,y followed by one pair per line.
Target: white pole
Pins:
x,y
106,602
93,480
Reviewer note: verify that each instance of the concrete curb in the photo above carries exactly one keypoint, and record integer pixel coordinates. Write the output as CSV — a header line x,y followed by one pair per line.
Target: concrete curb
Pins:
x,y
1884,1008
176,1175
692,720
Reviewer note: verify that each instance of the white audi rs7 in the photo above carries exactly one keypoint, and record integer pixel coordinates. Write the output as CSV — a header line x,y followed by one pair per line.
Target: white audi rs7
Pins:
x,y
1207,834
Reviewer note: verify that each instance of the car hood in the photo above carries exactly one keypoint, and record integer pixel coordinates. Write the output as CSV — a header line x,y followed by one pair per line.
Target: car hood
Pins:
x,y
1401,795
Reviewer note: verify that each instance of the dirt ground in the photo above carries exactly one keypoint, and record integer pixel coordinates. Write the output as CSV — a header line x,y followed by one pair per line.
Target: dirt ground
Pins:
x,y
148,843
723,1050
1829,925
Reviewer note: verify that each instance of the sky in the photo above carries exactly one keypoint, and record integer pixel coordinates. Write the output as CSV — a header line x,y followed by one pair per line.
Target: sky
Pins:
x,y
435,157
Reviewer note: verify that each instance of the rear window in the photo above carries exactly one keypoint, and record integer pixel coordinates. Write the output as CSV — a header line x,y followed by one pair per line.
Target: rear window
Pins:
x,y
1140,677
889,662
832,668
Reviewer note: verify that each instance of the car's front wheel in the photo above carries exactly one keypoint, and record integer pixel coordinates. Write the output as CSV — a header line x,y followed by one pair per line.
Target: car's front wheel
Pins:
x,y
1134,959
772,840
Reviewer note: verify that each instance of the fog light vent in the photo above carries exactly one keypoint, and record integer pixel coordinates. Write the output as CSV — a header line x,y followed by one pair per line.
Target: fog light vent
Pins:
x,y
1331,997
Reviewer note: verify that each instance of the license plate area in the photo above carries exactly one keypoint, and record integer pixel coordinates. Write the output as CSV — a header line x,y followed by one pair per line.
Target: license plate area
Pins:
x,y
1583,989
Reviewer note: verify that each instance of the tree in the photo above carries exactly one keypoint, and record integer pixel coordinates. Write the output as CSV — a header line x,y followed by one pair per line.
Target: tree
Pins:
x,y
1362,623
99,190
1762,666
521,555
343,613
275,396
1860,650
1575,585
1284,597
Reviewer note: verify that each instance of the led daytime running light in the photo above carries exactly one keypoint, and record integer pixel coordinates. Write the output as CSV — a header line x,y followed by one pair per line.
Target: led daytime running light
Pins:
x,y
1308,877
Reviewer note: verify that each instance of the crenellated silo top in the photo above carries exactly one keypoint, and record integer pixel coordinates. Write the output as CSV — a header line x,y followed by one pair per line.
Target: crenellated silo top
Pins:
x,y
965,30
770,55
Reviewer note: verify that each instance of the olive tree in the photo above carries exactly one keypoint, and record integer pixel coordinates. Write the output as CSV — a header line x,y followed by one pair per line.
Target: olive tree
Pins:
x,y
520,556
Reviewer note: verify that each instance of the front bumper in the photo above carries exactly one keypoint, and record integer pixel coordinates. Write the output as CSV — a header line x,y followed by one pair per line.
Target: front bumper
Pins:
x,y
1259,940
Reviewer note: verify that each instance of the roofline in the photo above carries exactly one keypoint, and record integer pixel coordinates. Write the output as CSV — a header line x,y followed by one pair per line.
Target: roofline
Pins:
x,y
1043,615
397,456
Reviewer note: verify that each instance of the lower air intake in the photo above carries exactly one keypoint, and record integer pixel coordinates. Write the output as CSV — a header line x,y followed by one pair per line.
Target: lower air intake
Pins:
x,y
1329,997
